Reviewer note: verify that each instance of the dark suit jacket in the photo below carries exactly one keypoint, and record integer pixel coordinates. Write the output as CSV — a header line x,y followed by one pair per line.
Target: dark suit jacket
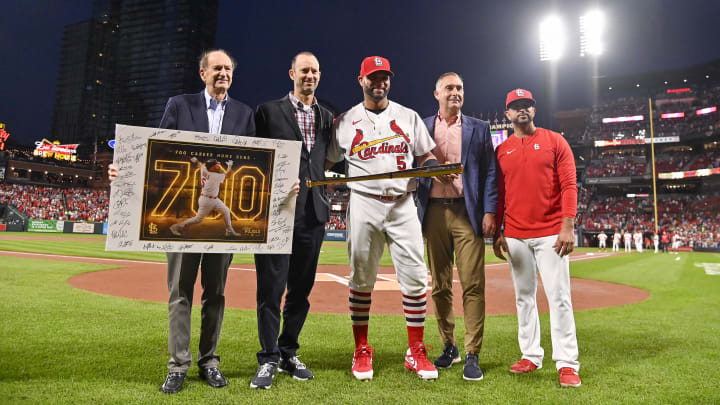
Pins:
x,y
478,159
276,119
188,112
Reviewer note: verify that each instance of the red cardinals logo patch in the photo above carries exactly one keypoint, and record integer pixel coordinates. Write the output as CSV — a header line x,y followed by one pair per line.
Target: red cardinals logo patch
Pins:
x,y
357,143
396,128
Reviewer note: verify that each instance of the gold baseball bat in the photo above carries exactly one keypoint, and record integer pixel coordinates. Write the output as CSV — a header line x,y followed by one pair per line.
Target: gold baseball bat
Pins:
x,y
429,171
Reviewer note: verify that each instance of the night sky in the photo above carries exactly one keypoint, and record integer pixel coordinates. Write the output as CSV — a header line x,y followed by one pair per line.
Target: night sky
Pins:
x,y
493,45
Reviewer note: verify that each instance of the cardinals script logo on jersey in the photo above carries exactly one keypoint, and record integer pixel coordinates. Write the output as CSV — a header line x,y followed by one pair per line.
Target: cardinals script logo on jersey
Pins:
x,y
367,150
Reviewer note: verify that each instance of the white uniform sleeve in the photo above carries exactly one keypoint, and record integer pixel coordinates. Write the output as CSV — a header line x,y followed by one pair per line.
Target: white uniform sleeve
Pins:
x,y
423,142
335,152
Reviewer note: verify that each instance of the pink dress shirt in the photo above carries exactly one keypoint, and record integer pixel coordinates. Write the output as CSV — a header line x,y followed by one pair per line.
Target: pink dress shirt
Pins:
x,y
448,141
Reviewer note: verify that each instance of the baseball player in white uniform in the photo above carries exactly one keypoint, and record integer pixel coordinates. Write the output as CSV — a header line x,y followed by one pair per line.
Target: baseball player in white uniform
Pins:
x,y
656,241
602,239
373,137
626,239
212,177
676,242
638,238
616,241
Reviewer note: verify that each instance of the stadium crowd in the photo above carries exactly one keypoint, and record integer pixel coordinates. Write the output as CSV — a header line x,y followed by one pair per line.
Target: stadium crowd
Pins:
x,y
338,205
46,202
671,162
629,164
687,102
337,222
708,159
614,168
695,217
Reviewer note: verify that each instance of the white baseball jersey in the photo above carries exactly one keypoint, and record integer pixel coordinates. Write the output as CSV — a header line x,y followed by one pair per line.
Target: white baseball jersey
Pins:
x,y
616,237
378,143
602,238
637,236
210,182
627,237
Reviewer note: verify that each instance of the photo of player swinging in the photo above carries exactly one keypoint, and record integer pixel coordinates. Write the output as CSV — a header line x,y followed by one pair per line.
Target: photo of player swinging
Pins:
x,y
212,177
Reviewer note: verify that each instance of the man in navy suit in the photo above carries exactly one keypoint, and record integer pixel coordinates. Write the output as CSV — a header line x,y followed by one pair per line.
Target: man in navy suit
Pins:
x,y
295,117
456,211
213,111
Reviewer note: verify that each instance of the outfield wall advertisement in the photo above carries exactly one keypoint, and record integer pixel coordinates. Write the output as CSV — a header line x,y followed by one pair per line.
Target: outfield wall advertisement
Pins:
x,y
83,227
336,235
45,225
52,226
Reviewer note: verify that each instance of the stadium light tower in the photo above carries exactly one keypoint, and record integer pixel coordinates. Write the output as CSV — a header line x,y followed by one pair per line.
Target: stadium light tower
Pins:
x,y
592,28
552,38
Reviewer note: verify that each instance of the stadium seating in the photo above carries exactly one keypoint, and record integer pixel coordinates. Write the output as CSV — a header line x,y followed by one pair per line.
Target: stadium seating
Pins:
x,y
696,217
45,202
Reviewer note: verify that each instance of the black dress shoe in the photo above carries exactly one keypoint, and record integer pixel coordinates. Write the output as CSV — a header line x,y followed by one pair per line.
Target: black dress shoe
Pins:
x,y
213,376
173,383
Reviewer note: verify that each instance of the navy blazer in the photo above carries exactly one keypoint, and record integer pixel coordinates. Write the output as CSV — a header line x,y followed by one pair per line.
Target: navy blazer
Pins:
x,y
478,177
276,119
188,112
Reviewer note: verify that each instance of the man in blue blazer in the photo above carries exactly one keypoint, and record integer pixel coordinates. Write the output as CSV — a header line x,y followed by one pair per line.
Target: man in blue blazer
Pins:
x,y
456,211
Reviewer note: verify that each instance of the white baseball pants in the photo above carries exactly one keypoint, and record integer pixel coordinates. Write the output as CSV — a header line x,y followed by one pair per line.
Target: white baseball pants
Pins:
x,y
370,224
205,207
526,257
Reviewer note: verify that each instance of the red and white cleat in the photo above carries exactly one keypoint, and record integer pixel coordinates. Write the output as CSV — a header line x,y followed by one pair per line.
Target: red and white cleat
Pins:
x,y
417,361
362,363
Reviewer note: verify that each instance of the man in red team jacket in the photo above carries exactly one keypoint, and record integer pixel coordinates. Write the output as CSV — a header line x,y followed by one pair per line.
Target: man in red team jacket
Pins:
x,y
537,202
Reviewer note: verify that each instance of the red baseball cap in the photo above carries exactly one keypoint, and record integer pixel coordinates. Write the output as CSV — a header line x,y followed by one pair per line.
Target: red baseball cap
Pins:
x,y
518,94
372,64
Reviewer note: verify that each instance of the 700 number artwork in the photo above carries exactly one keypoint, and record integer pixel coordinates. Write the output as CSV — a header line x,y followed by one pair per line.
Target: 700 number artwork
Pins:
x,y
197,192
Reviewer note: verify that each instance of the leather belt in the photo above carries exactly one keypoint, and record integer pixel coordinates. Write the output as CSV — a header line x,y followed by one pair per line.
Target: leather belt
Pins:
x,y
383,197
207,196
448,201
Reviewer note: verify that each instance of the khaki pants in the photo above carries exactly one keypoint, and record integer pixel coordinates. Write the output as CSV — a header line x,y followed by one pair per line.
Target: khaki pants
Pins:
x,y
449,233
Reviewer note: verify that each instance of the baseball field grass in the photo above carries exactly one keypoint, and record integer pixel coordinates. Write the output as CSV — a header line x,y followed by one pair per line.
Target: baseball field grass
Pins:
x,y
63,345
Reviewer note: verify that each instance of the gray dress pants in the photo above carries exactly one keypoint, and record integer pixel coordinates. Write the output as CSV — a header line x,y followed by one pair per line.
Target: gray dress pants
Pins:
x,y
181,276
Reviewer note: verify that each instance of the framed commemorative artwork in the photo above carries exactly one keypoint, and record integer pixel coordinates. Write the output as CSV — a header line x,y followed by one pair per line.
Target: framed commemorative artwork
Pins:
x,y
183,191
